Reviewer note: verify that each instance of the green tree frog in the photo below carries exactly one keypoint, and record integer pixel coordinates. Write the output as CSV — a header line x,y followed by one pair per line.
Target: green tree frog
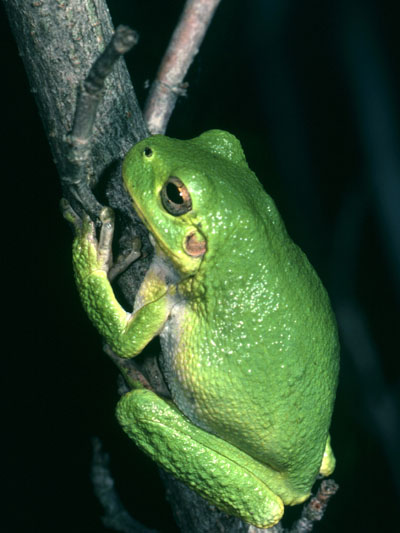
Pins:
x,y
249,340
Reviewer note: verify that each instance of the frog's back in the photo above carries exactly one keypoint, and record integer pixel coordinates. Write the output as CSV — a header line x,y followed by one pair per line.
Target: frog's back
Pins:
x,y
289,354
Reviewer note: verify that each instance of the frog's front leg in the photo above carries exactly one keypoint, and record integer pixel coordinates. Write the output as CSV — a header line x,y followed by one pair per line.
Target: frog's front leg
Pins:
x,y
222,474
126,333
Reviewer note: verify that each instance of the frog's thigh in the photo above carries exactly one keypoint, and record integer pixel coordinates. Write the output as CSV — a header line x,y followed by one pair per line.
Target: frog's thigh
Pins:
x,y
328,460
203,461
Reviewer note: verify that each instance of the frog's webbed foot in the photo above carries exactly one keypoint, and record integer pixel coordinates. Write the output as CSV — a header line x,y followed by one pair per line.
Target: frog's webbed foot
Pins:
x,y
85,230
91,253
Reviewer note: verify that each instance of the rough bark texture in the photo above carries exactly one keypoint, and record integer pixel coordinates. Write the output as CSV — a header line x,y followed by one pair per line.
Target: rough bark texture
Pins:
x,y
58,42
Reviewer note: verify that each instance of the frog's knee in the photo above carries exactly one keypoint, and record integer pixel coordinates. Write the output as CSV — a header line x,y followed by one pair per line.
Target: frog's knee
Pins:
x,y
131,404
328,459
141,412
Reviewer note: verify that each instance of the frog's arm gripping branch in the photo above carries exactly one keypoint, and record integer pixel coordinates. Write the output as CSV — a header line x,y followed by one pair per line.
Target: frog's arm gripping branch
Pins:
x,y
89,97
126,333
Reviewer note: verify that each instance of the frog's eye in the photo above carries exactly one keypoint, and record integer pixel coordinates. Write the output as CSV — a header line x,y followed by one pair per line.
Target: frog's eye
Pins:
x,y
175,197
148,152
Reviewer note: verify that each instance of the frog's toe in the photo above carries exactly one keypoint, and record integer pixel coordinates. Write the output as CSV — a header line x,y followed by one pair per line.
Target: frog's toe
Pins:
x,y
104,244
107,216
70,215
328,460
83,226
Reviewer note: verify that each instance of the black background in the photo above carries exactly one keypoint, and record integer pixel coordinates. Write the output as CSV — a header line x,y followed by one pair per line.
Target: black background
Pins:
x,y
312,91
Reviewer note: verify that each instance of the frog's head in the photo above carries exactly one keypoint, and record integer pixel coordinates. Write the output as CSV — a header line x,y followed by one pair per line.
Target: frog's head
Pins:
x,y
188,193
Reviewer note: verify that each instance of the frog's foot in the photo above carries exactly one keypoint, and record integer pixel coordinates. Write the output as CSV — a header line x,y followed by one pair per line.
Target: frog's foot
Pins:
x,y
222,474
90,254
70,215
328,460
85,235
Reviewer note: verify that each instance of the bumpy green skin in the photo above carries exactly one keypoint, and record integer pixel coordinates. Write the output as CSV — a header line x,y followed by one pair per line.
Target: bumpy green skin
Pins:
x,y
250,348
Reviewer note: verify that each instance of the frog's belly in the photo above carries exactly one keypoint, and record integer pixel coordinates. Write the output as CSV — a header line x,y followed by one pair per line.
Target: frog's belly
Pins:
x,y
176,364
202,381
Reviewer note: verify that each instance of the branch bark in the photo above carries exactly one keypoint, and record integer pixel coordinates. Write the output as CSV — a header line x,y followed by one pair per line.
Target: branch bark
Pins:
x,y
58,42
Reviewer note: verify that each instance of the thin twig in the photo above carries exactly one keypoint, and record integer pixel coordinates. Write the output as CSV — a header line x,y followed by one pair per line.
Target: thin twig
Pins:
x,y
183,47
89,97
115,516
91,93
316,507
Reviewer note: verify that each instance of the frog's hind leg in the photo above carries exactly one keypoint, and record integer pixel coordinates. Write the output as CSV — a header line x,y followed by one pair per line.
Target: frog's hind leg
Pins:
x,y
218,471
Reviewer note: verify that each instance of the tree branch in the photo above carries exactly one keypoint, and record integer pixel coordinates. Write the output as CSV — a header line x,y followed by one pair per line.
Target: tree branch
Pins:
x,y
79,141
314,509
58,42
182,49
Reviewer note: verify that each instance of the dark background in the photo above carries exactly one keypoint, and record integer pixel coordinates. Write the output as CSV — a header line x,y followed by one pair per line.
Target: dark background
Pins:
x,y
312,91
